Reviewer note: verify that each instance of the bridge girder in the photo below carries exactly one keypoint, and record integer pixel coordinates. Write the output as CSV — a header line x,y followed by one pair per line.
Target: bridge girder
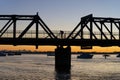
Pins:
x,y
35,19
105,26
88,23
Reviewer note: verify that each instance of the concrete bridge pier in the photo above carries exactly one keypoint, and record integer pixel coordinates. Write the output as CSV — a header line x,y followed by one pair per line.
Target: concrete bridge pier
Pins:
x,y
63,59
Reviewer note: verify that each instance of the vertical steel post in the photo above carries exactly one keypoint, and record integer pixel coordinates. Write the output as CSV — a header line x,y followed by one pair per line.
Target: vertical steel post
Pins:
x,y
37,29
101,30
91,28
119,30
111,28
82,30
14,26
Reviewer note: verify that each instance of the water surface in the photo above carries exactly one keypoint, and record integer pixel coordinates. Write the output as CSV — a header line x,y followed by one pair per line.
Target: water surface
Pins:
x,y
41,67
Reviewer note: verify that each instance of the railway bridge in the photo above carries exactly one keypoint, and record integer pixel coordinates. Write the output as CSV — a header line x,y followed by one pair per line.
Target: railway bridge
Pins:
x,y
90,31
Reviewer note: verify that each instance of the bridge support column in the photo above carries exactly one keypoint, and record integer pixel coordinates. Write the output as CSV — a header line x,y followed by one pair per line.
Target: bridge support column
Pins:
x,y
63,59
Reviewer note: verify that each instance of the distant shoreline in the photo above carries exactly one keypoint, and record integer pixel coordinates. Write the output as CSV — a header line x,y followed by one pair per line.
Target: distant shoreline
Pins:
x,y
51,52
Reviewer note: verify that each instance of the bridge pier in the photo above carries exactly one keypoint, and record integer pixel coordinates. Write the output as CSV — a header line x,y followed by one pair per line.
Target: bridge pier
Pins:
x,y
63,59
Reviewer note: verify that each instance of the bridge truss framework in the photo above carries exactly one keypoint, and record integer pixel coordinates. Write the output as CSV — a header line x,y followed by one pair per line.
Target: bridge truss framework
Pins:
x,y
90,31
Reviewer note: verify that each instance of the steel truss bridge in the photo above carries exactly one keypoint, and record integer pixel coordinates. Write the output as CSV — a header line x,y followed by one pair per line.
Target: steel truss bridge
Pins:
x,y
90,31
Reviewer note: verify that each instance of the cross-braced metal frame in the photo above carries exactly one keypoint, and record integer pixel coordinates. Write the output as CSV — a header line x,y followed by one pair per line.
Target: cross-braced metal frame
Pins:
x,y
35,19
91,31
105,27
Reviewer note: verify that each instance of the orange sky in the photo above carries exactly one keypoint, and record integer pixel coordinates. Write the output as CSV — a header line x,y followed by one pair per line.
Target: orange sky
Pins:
x,y
51,48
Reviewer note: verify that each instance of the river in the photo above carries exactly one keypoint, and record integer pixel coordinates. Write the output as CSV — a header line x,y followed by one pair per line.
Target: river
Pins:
x,y
41,67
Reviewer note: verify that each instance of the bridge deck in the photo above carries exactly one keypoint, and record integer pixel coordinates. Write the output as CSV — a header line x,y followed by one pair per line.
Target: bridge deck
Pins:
x,y
55,42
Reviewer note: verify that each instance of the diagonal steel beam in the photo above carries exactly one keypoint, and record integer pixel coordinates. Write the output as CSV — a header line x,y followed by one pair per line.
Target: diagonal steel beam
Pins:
x,y
74,30
108,30
90,31
46,30
118,28
5,26
27,28
6,29
82,26
100,30
49,31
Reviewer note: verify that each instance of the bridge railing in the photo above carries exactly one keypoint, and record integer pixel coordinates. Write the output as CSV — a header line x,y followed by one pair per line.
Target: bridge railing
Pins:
x,y
43,34
32,34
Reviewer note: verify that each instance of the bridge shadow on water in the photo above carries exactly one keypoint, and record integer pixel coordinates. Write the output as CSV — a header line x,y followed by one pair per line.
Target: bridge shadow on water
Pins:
x,y
62,75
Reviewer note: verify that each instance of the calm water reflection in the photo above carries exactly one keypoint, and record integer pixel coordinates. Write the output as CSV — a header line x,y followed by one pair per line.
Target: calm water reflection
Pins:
x,y
42,67
63,75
